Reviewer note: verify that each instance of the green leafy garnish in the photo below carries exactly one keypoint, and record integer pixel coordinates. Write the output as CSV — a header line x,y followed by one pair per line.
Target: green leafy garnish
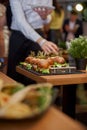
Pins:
x,y
27,65
45,71
15,89
45,90
60,65
44,99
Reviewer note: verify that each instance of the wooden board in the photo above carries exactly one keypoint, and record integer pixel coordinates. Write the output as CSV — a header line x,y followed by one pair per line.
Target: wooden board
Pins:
x,y
55,79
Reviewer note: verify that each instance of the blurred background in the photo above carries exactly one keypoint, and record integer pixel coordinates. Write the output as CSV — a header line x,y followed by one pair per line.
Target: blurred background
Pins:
x,y
80,6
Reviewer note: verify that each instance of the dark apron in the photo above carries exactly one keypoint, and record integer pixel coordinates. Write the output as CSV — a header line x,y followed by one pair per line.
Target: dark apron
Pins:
x,y
19,48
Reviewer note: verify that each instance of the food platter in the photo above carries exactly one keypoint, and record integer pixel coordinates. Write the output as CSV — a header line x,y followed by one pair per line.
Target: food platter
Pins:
x,y
48,65
54,71
30,102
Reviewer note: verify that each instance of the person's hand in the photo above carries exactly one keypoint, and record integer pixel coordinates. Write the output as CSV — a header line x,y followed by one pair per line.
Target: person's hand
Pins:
x,y
49,47
43,12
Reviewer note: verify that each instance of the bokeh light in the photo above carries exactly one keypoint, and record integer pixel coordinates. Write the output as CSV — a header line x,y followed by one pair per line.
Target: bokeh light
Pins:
x,y
79,7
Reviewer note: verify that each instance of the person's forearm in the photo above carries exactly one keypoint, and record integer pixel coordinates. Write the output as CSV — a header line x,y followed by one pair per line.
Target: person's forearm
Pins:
x,y
41,41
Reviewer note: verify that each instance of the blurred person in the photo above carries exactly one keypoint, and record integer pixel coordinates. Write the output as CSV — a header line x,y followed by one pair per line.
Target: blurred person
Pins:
x,y
2,24
27,32
4,33
72,26
55,26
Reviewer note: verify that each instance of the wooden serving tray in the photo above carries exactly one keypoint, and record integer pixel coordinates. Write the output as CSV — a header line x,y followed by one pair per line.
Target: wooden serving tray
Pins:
x,y
61,71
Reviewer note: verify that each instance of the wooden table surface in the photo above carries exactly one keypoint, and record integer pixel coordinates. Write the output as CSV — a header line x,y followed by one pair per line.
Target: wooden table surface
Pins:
x,y
6,79
66,79
53,119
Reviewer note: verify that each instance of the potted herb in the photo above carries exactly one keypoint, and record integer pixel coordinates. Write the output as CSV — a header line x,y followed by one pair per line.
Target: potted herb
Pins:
x,y
78,50
85,14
